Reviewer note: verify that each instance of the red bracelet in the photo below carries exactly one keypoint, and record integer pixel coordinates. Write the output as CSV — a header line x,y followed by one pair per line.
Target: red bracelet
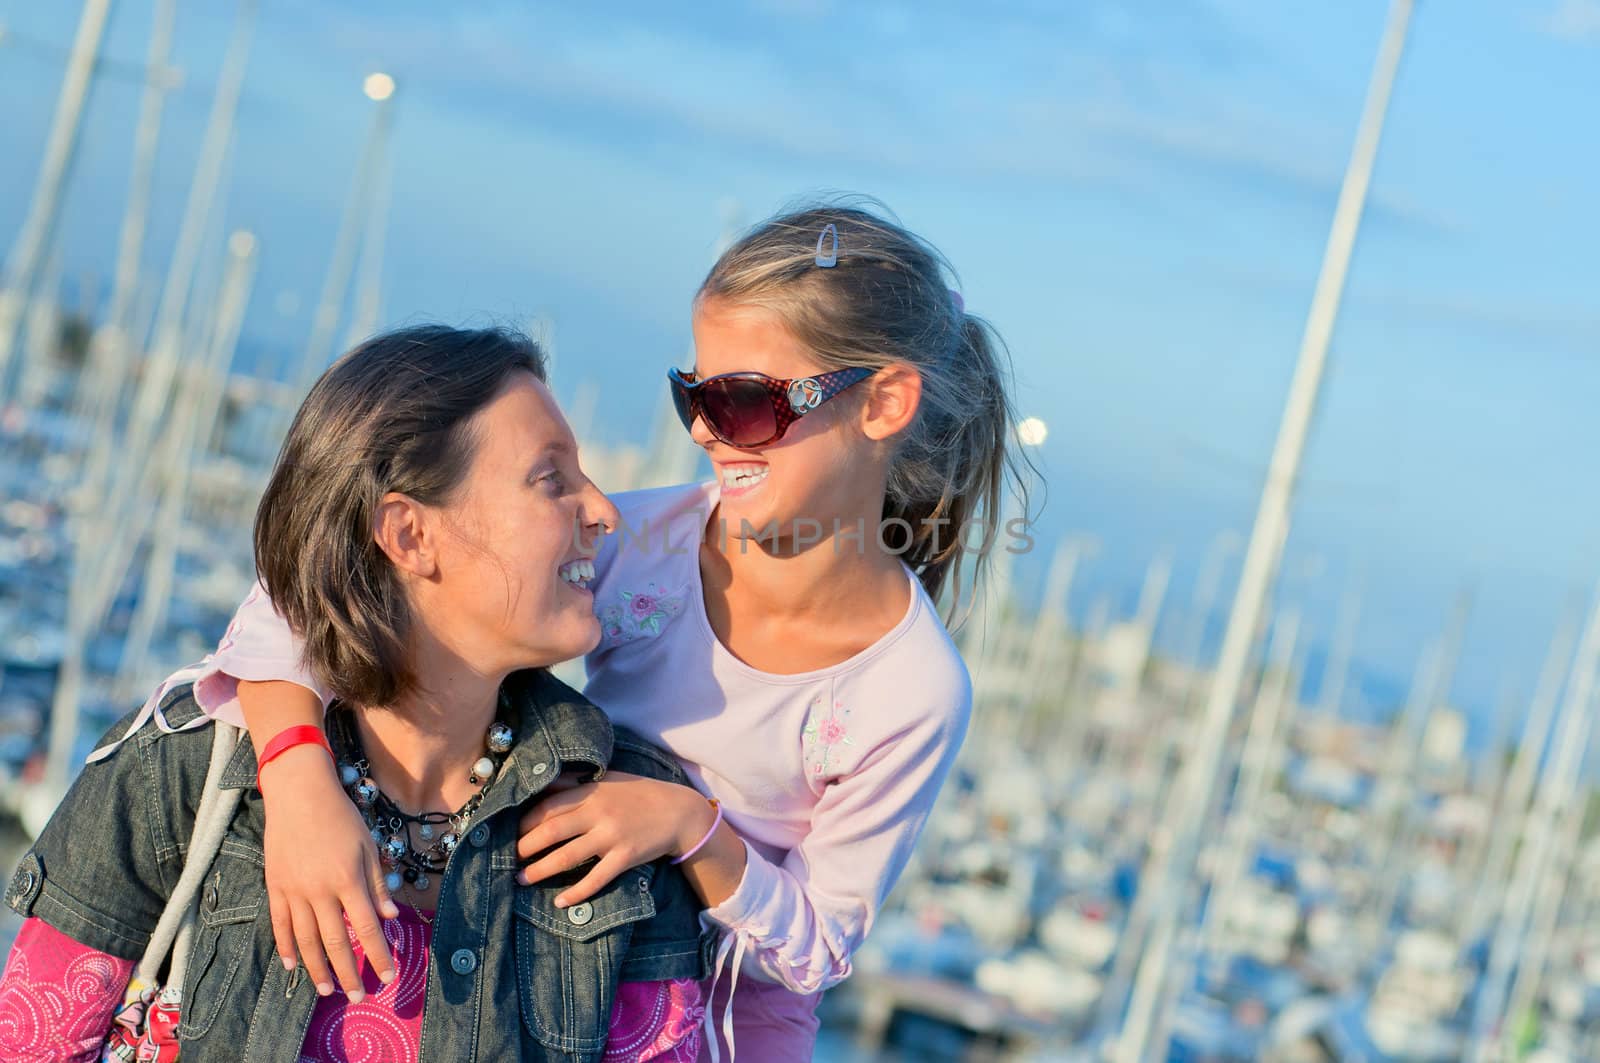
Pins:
x,y
701,844
301,735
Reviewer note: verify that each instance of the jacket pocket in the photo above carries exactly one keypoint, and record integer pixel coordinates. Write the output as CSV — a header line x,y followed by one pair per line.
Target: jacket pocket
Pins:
x,y
222,942
568,958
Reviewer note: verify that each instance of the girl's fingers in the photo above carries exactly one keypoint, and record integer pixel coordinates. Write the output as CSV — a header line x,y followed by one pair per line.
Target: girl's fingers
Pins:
x,y
335,941
537,839
556,805
305,936
282,928
380,890
361,910
563,859
610,866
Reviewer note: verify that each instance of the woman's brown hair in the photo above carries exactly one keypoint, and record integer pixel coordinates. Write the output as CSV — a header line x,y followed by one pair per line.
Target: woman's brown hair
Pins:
x,y
394,414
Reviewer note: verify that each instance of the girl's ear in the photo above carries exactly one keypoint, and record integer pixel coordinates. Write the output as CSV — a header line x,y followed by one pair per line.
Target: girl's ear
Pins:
x,y
405,534
894,393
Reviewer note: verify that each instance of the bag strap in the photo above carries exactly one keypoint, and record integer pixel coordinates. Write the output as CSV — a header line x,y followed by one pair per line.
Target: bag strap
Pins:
x,y
211,820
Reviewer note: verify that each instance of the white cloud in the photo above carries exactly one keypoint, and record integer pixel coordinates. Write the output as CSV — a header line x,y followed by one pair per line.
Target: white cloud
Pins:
x,y
1574,20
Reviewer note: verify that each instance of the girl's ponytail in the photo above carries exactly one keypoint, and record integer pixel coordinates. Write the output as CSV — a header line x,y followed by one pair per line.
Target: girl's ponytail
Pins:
x,y
948,483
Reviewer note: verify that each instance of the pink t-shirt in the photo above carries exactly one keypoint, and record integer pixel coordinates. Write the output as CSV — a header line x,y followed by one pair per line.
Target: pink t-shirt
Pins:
x,y
57,998
828,775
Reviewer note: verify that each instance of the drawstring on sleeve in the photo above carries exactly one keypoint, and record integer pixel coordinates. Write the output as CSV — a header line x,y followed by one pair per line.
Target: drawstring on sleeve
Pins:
x,y
151,710
735,942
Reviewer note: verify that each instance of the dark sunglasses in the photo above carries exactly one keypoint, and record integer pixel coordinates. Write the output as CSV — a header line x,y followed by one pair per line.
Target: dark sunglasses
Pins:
x,y
749,410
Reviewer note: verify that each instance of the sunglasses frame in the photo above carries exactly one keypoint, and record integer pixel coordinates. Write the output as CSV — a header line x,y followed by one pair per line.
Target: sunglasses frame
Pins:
x,y
791,399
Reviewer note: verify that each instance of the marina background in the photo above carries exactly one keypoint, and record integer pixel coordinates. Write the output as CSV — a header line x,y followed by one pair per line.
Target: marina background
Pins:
x,y
1138,196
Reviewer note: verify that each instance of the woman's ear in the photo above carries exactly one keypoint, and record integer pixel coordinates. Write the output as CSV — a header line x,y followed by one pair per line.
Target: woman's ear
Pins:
x,y
404,533
894,393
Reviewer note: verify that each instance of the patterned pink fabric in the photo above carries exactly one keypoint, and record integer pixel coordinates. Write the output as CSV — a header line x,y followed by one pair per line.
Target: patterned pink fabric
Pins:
x,y
57,997
656,1020
650,1020
386,1027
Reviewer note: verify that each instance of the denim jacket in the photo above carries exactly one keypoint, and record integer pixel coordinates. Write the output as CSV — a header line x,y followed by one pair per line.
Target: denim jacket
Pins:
x,y
511,977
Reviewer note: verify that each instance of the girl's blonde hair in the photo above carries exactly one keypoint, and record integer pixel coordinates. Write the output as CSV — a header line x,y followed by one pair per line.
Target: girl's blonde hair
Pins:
x,y
887,299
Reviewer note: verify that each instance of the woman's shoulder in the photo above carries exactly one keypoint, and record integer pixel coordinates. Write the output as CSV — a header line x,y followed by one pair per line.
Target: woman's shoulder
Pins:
x,y
175,741
126,819
629,752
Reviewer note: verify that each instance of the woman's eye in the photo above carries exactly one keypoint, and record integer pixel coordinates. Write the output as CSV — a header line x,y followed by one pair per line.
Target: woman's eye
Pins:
x,y
553,480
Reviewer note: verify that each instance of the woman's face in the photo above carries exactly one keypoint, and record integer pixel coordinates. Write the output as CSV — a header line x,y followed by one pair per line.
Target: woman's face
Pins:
x,y
514,545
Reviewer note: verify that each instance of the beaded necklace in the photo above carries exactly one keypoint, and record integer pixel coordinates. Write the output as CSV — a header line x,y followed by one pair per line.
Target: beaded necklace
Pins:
x,y
405,862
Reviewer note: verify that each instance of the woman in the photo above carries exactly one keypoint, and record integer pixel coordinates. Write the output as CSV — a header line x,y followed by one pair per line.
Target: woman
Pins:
x,y
427,531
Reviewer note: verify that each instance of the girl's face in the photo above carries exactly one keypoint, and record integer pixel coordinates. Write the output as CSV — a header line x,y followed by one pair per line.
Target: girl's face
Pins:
x,y
823,469
513,547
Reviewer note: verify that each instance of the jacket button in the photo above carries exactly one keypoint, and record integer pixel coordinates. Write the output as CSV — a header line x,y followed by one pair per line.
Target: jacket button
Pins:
x,y
462,961
211,898
479,836
580,913
540,768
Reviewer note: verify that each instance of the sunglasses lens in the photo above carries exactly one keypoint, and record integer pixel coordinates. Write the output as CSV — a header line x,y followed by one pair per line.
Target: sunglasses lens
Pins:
x,y
681,401
739,412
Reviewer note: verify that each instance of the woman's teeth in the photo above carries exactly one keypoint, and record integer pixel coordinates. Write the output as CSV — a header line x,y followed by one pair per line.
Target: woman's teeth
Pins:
x,y
743,475
577,573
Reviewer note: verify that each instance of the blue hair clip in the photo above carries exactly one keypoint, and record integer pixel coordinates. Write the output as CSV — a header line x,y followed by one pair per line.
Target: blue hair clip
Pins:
x,y
831,257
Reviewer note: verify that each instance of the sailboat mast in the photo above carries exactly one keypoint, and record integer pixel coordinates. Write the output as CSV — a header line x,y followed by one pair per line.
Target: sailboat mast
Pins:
x,y
1266,543
44,213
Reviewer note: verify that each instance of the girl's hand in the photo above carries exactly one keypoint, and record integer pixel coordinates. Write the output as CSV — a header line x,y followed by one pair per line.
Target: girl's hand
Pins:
x,y
623,820
321,866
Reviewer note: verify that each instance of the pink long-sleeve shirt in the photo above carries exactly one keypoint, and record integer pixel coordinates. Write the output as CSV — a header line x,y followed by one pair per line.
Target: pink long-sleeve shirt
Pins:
x,y
828,775
58,996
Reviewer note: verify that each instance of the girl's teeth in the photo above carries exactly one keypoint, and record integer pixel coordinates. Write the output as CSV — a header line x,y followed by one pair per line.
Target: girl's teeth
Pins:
x,y
743,477
578,573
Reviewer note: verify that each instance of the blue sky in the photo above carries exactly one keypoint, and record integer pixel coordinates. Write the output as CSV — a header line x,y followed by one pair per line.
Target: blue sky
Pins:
x,y
1135,193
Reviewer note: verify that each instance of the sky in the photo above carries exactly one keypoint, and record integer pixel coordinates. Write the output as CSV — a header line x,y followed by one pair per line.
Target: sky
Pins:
x,y
1136,194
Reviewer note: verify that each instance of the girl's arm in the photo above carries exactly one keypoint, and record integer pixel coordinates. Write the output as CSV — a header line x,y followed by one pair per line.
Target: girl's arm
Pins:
x,y
623,821
800,920
58,996
305,804
255,679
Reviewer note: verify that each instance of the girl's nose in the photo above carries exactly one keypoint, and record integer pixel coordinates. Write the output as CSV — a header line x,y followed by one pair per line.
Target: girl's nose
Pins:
x,y
700,433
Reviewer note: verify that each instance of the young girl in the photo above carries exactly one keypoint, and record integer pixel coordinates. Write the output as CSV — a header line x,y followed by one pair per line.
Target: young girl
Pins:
x,y
774,629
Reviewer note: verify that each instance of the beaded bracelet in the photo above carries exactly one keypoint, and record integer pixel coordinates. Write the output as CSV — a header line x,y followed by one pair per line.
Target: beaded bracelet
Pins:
x,y
715,823
286,739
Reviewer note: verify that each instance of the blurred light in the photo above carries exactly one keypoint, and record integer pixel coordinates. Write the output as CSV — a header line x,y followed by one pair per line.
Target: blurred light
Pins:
x,y
378,86
242,243
1032,432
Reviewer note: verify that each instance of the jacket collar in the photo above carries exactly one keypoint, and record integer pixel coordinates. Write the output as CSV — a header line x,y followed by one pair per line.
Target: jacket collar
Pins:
x,y
557,728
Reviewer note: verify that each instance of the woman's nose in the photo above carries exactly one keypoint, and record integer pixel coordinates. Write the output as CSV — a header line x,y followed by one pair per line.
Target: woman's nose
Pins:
x,y
596,510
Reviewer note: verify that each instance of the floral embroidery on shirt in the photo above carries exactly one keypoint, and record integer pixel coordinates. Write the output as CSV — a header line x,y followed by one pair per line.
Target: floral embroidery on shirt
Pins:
x,y
824,734
638,615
